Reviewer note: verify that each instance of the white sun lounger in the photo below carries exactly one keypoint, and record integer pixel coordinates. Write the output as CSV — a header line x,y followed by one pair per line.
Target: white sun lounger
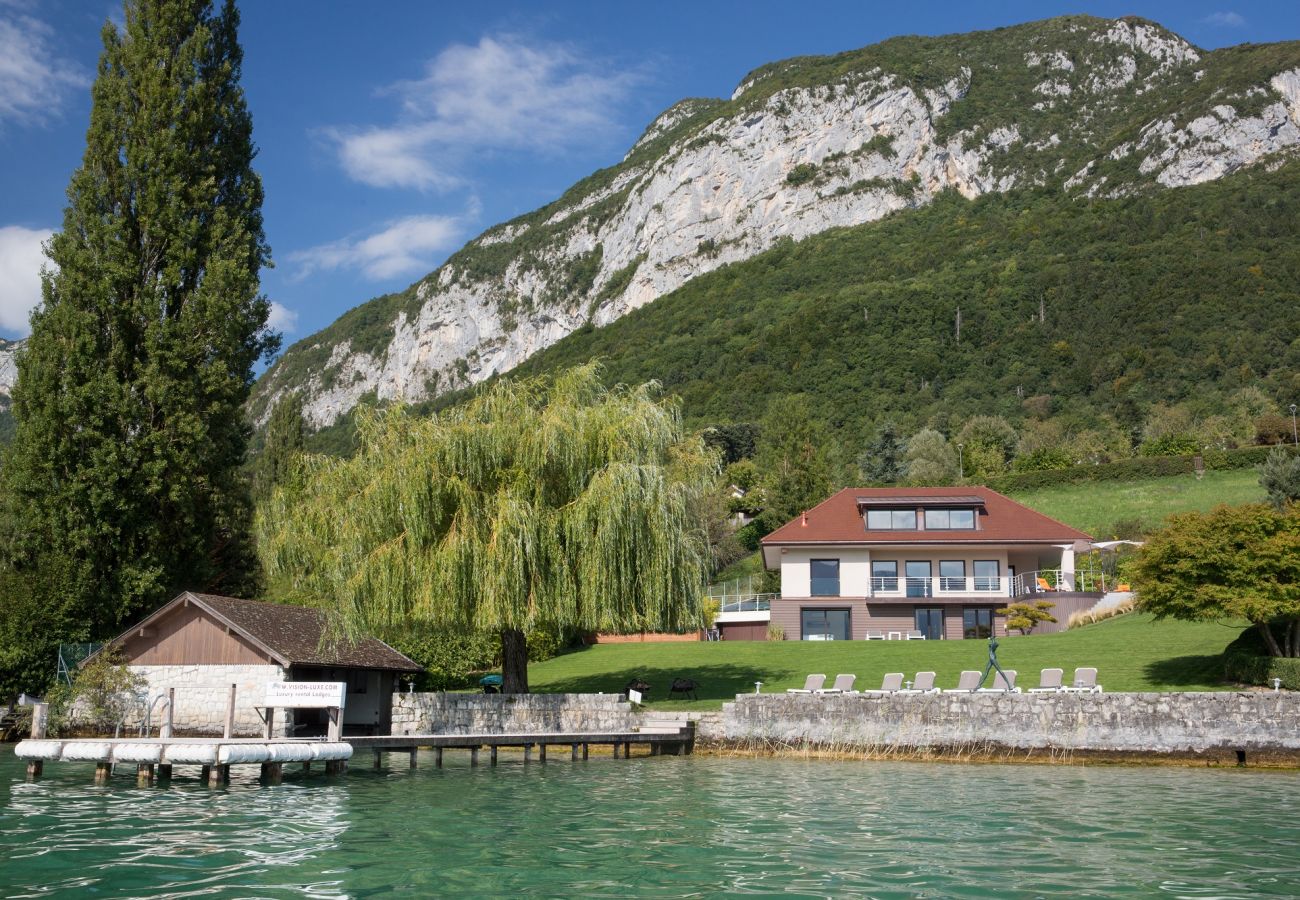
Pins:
x,y
892,684
1049,682
1002,685
924,684
843,685
1085,682
813,683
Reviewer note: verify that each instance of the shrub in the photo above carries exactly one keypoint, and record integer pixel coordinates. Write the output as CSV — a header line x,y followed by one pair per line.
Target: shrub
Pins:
x,y
101,695
1246,660
1090,617
775,632
801,174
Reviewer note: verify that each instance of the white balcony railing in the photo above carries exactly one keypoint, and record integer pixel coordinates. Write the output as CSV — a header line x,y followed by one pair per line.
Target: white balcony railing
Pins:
x,y
982,585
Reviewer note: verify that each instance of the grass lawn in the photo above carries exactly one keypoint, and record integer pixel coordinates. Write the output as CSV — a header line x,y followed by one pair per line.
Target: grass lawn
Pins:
x,y
1094,508
1131,653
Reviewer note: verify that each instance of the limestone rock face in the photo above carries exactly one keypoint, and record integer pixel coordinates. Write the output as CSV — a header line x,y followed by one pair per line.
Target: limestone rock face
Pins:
x,y
712,182
8,371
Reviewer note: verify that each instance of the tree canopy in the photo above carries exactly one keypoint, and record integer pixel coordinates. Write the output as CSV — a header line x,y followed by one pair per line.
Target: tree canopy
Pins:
x,y
122,483
555,502
1234,562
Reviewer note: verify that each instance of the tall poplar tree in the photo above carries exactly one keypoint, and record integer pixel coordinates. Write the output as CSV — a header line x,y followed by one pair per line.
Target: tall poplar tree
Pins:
x,y
284,444
130,430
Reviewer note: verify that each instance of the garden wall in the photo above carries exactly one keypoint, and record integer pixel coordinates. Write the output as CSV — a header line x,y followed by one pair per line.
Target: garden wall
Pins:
x,y
1170,723
509,713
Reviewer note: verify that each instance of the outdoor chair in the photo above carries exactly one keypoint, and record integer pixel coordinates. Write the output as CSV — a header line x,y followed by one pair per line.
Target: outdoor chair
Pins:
x,y
843,685
915,636
1049,682
1044,584
1002,685
969,681
813,683
924,684
892,684
1085,682
875,635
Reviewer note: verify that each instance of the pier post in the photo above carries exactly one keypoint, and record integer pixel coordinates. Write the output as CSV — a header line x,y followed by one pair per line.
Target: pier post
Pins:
x,y
574,754
378,762
205,772
306,768
40,718
541,752
616,749
103,771
654,749
494,754
413,749
218,775
230,713
473,755
144,775
164,773
585,748
165,732
528,752
437,757
272,772
34,768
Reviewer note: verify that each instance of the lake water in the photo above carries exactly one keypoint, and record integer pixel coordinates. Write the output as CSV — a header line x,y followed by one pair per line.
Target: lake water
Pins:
x,y
657,827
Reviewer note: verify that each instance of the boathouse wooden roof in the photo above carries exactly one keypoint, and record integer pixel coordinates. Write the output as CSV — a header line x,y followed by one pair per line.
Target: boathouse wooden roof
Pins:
x,y
291,636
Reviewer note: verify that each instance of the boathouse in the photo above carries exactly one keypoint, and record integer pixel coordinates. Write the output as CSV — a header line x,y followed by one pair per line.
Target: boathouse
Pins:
x,y
200,644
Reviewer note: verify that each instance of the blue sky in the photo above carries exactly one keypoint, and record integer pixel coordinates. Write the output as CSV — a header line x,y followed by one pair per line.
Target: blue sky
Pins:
x,y
390,133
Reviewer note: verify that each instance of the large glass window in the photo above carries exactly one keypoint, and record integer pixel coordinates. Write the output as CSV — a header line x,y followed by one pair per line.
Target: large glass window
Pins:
x,y
918,579
825,578
976,622
929,621
952,575
824,624
891,520
947,519
884,575
986,574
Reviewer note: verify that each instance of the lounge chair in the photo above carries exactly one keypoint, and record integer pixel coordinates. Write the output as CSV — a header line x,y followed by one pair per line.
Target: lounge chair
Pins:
x,y
892,684
1002,685
1044,584
1049,682
915,636
812,684
969,681
924,684
1085,682
843,685
875,635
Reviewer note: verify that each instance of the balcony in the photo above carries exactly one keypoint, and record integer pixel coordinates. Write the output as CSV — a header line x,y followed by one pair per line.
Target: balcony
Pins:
x,y
944,586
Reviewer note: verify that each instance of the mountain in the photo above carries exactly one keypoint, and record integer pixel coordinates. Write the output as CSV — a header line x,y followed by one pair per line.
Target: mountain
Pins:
x,y
1070,111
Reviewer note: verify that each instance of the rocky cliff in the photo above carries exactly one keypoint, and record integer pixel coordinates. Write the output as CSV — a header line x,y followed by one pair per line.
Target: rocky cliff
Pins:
x,y
1083,106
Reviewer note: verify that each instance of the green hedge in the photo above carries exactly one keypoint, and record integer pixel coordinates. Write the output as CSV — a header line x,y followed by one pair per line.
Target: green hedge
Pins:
x,y
1246,660
1130,469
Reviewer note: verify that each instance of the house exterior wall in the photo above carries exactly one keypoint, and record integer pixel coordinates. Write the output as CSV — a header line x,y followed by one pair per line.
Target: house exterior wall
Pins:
x,y
203,694
188,636
875,617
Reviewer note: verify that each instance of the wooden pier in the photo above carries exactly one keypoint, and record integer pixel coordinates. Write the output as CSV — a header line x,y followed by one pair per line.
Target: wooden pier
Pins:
x,y
153,758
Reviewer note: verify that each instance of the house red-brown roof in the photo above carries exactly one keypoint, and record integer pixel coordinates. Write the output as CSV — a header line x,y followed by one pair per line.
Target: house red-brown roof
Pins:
x,y
292,635
1001,520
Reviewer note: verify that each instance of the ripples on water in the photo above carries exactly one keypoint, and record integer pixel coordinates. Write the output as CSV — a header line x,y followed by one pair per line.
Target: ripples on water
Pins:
x,y
658,827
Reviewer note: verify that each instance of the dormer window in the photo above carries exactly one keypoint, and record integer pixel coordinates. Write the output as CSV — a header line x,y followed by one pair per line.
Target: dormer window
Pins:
x,y
891,520
949,519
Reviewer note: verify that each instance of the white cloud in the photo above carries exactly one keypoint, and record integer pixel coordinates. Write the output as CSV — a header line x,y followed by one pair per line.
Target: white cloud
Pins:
x,y
34,79
499,94
1228,19
282,318
404,247
21,259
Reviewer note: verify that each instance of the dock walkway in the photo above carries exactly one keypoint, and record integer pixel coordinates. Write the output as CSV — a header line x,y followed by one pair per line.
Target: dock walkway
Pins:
x,y
661,741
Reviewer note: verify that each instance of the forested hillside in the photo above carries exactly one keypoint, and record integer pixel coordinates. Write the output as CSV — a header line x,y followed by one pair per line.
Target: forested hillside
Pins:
x,y
1086,312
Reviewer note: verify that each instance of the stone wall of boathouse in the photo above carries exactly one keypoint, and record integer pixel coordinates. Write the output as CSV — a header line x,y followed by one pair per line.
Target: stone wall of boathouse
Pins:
x,y
1122,723
439,713
203,695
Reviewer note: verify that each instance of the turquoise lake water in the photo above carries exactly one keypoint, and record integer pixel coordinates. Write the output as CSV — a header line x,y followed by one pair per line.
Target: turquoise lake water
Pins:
x,y
657,827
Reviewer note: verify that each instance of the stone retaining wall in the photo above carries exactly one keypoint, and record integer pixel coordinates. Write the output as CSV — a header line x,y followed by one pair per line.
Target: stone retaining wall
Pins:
x,y
1124,723
509,713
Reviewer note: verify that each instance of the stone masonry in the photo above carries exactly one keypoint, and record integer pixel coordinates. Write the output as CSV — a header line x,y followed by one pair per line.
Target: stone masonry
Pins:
x,y
509,713
203,692
1139,723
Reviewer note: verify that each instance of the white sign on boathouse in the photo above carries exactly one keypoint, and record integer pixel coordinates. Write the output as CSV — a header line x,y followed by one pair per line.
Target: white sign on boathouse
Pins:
x,y
305,694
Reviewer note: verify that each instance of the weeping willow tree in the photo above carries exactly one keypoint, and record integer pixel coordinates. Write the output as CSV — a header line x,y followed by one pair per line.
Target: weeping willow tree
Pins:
x,y
538,503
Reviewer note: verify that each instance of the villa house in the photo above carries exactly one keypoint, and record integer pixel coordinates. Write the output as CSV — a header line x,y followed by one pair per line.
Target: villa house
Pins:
x,y
932,563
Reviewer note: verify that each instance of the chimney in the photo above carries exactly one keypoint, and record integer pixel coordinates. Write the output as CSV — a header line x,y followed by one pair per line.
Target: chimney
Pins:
x,y
805,518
